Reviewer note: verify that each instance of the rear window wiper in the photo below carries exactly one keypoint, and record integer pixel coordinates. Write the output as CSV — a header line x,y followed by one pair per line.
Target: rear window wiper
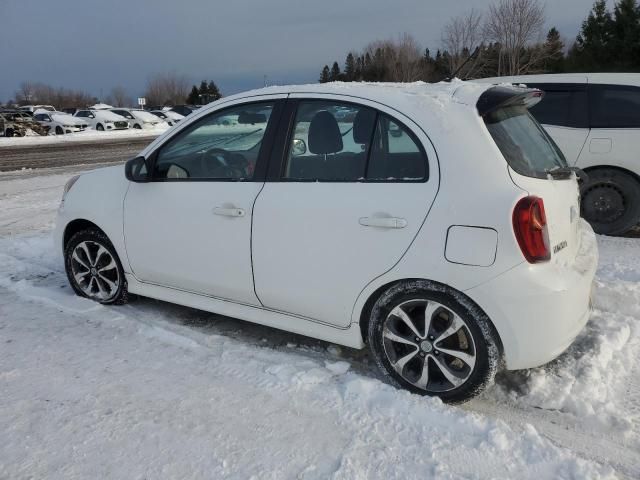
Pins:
x,y
561,173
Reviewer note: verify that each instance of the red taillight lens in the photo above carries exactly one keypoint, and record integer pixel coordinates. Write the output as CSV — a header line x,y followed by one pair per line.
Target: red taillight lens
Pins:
x,y
530,228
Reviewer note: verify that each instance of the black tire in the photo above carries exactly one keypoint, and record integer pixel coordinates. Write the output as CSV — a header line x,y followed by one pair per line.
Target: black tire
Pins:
x,y
137,126
9,132
611,201
97,237
59,130
99,127
485,345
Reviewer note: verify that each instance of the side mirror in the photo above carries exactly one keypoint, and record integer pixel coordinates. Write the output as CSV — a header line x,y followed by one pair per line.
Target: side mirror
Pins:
x,y
136,170
299,147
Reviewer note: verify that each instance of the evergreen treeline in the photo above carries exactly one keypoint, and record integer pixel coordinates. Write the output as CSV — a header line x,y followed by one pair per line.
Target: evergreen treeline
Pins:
x,y
608,41
206,93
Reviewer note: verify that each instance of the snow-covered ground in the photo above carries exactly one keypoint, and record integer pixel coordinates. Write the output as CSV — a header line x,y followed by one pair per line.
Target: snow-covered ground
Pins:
x,y
86,136
153,390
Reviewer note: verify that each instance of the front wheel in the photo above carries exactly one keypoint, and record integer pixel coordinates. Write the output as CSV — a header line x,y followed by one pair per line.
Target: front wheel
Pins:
x,y
94,269
611,201
59,131
429,339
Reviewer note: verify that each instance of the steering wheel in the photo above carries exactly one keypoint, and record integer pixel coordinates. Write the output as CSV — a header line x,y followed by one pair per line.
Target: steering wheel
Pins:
x,y
215,163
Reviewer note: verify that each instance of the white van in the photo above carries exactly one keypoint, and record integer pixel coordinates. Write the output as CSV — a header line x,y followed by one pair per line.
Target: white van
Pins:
x,y
595,120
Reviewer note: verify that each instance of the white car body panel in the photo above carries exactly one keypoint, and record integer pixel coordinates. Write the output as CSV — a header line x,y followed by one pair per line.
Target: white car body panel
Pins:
x,y
139,118
103,118
296,226
54,119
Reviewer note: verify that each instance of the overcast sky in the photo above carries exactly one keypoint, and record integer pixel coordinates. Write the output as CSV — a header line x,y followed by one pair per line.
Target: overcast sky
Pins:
x,y
94,45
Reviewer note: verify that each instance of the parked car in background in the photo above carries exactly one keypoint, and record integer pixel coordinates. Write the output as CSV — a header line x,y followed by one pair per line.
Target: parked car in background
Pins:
x,y
168,116
14,123
138,118
59,122
448,258
595,120
17,124
102,120
185,110
70,110
33,108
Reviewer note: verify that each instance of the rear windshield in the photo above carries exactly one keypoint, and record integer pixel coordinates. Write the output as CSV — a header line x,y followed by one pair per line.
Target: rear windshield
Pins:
x,y
523,142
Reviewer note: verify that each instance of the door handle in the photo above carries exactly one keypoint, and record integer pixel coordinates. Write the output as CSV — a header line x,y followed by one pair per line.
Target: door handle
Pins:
x,y
229,211
383,222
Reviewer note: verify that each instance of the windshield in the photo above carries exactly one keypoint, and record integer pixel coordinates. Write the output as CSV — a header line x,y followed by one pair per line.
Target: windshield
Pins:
x,y
525,145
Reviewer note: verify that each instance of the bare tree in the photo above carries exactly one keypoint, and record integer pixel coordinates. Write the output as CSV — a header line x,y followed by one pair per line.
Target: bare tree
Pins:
x,y
118,97
516,25
400,60
25,93
43,94
167,89
460,37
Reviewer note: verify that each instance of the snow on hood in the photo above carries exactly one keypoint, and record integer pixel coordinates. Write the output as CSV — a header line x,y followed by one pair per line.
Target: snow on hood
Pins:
x,y
107,115
145,116
67,119
100,106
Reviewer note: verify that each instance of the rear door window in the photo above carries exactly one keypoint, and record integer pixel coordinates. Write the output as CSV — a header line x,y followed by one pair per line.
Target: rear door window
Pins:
x,y
525,145
614,106
562,105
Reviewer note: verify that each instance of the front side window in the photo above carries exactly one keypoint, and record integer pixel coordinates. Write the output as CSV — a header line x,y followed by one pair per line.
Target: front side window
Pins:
x,y
214,150
525,145
614,106
335,141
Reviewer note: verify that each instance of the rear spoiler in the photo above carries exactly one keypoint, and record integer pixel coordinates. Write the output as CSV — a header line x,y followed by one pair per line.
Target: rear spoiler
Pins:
x,y
503,96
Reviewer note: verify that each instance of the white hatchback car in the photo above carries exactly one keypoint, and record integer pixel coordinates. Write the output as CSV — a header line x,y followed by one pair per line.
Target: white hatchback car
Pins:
x,y
595,120
436,223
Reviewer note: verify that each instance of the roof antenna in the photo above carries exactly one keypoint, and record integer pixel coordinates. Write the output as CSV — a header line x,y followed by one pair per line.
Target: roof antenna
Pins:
x,y
475,52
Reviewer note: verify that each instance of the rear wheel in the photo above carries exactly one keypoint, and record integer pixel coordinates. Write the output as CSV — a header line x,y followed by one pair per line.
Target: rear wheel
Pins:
x,y
137,126
611,201
99,127
94,269
59,131
431,340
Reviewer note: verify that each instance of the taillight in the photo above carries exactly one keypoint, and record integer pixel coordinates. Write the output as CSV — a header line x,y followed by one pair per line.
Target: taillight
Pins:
x,y
530,228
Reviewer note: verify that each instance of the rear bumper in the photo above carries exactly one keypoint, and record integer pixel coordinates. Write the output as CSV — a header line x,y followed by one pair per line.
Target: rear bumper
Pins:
x,y
538,310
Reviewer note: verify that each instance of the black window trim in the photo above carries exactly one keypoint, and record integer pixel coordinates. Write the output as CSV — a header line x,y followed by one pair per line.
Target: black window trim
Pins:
x,y
280,155
612,86
569,87
260,170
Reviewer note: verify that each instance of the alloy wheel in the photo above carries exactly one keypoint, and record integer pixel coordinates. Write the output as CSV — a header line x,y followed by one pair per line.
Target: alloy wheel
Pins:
x,y
429,345
95,271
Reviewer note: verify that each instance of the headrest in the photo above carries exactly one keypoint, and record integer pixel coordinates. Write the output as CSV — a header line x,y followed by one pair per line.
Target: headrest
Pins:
x,y
324,134
363,125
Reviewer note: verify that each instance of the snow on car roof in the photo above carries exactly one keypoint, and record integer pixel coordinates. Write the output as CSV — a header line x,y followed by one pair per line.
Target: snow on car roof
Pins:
x,y
385,92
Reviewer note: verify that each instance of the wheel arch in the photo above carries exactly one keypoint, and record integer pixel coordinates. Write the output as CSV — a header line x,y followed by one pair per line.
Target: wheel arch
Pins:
x,y
76,226
617,168
365,313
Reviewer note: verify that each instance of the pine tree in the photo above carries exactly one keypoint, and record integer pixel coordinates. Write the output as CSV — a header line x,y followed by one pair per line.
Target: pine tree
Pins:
x,y
553,52
193,98
593,45
335,72
325,75
213,91
625,41
349,68
203,87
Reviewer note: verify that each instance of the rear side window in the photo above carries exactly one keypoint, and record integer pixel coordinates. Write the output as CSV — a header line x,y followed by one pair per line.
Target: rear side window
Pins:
x,y
614,106
523,142
562,105
342,142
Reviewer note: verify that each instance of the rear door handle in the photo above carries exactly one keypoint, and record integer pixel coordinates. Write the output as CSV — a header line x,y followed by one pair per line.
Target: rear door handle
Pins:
x,y
229,211
383,222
